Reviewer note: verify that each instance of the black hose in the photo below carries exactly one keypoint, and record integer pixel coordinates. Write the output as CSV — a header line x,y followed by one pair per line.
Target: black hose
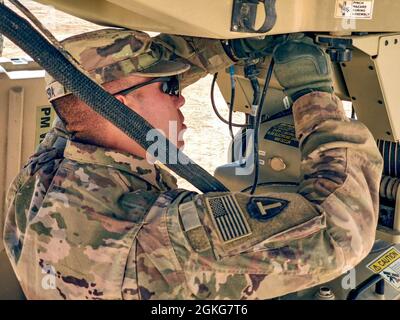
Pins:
x,y
215,107
353,113
277,115
257,125
231,106
256,89
19,31
277,183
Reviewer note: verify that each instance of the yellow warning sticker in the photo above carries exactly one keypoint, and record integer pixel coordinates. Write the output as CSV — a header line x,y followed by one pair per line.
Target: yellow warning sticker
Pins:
x,y
385,260
44,119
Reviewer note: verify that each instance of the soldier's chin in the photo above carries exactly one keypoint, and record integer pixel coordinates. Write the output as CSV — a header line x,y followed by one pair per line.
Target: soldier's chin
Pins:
x,y
181,145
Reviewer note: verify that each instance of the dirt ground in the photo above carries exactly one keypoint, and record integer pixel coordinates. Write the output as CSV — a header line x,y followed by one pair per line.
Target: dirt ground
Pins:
x,y
207,138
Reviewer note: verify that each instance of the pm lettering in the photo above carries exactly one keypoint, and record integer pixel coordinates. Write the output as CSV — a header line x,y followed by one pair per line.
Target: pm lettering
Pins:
x,y
45,117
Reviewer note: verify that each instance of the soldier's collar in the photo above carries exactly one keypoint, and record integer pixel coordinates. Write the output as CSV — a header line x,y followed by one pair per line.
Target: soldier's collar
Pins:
x,y
152,173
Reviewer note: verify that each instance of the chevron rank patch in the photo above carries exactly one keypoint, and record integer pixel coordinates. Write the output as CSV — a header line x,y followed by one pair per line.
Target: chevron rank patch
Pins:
x,y
228,218
265,208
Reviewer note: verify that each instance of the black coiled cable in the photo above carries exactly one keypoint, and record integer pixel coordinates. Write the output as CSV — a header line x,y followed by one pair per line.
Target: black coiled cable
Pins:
x,y
257,122
220,117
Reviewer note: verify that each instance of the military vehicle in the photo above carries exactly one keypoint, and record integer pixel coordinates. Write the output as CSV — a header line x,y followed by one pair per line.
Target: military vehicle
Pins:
x,y
363,41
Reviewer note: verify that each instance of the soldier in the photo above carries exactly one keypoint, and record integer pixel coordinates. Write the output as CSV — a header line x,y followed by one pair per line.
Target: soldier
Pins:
x,y
100,222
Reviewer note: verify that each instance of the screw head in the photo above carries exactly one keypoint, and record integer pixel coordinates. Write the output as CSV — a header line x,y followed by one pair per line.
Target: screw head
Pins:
x,y
277,164
325,293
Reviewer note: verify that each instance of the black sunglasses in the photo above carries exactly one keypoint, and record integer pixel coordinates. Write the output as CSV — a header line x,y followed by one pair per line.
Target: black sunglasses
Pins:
x,y
170,85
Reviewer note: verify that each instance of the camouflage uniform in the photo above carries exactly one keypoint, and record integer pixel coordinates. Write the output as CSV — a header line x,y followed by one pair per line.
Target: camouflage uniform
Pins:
x,y
93,223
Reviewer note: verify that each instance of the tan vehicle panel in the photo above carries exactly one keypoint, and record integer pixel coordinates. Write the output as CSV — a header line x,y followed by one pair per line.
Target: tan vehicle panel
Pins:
x,y
212,19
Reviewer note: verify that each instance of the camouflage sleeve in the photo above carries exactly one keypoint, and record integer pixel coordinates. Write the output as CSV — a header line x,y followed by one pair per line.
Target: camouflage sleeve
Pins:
x,y
204,55
238,246
26,192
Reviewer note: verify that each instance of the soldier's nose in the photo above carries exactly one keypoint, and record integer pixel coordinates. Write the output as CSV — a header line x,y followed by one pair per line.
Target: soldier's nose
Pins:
x,y
181,101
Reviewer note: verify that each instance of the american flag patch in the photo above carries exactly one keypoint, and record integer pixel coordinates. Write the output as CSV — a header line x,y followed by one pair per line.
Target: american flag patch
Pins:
x,y
228,218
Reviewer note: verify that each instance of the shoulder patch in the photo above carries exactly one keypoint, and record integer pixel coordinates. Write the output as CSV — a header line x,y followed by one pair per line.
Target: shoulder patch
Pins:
x,y
228,218
265,208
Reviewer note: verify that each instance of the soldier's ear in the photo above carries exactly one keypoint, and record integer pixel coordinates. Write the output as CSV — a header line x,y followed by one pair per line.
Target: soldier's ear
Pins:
x,y
121,98
124,100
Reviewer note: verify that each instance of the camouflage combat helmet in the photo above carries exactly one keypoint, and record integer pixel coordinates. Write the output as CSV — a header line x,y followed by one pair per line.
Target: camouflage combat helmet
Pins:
x,y
110,54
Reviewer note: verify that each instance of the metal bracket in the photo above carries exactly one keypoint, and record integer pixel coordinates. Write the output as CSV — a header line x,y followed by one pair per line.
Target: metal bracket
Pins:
x,y
339,49
245,12
375,279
